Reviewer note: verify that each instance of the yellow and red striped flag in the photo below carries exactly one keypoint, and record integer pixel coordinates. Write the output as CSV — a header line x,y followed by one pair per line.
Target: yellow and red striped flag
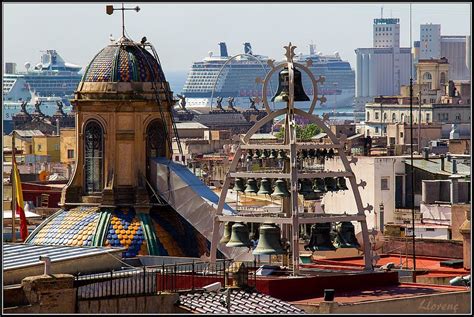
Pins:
x,y
19,209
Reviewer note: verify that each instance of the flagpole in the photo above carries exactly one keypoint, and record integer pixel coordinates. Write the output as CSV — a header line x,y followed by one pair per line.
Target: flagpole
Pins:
x,y
13,182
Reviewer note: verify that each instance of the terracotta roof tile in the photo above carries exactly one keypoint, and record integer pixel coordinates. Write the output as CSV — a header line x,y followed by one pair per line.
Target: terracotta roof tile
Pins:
x,y
241,303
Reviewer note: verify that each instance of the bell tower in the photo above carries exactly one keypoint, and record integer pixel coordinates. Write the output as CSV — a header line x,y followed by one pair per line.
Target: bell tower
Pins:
x,y
123,119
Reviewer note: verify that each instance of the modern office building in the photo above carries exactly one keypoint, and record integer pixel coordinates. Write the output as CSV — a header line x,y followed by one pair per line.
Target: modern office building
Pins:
x,y
456,48
383,68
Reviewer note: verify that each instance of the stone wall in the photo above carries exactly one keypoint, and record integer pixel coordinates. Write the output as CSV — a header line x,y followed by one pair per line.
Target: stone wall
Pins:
x,y
445,303
162,303
425,247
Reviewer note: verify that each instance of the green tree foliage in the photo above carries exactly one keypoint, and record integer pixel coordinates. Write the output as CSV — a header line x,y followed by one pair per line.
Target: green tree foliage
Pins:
x,y
303,133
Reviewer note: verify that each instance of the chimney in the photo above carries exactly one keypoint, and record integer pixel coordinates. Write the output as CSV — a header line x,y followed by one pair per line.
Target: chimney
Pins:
x,y
223,48
442,161
426,152
247,48
455,167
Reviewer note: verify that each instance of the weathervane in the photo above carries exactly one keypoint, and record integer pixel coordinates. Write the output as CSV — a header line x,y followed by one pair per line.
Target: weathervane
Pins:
x,y
110,9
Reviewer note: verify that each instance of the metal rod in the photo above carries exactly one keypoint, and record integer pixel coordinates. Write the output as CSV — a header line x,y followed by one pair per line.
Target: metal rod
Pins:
x,y
13,182
411,158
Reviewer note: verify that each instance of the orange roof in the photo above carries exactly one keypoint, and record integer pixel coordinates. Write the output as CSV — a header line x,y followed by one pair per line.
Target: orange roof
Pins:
x,y
430,264
383,292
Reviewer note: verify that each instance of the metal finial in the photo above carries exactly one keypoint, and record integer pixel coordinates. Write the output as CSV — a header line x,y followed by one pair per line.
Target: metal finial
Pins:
x,y
110,9
290,52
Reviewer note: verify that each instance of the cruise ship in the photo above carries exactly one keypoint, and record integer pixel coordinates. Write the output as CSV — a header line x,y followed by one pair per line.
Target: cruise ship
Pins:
x,y
49,81
238,78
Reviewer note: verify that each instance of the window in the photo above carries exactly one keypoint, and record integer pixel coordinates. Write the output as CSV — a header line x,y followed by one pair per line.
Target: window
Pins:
x,y
442,80
376,115
401,134
384,183
385,117
429,229
368,116
39,147
56,147
428,117
427,76
376,130
155,142
70,154
402,118
93,157
394,117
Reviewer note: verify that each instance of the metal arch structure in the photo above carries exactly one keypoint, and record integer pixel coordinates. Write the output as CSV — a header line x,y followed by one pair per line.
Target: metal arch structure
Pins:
x,y
225,64
290,144
314,81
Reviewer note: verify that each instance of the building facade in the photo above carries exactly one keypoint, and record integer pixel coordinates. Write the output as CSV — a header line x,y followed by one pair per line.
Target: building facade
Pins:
x,y
455,48
384,68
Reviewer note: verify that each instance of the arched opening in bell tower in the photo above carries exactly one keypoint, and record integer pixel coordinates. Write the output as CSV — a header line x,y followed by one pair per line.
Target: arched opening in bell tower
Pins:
x,y
93,157
155,142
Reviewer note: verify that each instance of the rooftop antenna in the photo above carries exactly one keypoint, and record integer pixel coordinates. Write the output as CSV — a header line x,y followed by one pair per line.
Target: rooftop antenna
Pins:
x,y
381,12
411,156
110,10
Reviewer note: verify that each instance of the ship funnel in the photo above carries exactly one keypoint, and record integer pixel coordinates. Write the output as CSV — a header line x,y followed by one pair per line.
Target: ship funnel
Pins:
x,y
247,48
223,49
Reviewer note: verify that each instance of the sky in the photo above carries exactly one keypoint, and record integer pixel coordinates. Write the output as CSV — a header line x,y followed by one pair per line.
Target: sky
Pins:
x,y
185,32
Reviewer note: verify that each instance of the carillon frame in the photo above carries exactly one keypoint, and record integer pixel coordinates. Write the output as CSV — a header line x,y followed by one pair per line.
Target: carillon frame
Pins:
x,y
294,217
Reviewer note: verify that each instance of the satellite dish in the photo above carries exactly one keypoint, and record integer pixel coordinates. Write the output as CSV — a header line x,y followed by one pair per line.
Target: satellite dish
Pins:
x,y
39,66
376,240
27,66
336,53
320,53
210,53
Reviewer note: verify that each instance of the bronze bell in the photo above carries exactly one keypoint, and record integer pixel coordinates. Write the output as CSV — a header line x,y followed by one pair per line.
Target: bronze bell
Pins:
x,y
256,155
249,156
324,154
251,186
306,187
283,91
280,189
264,154
269,241
265,187
341,183
281,155
304,154
227,232
273,154
345,237
239,185
319,186
330,183
330,153
320,239
318,153
239,236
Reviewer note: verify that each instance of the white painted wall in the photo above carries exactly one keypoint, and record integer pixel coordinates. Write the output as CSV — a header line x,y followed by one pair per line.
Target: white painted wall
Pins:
x,y
371,170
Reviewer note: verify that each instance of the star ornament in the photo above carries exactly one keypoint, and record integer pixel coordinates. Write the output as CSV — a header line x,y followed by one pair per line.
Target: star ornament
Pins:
x,y
290,52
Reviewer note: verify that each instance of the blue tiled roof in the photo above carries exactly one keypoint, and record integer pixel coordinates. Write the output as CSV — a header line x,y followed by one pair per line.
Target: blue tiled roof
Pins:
x,y
78,226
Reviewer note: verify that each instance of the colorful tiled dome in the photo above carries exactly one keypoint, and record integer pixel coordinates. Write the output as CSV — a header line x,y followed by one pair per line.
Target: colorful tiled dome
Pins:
x,y
124,61
161,232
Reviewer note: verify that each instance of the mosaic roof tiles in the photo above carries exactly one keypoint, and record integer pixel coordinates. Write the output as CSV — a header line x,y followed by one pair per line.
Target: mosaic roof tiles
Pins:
x,y
78,226
125,63
125,230
75,227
